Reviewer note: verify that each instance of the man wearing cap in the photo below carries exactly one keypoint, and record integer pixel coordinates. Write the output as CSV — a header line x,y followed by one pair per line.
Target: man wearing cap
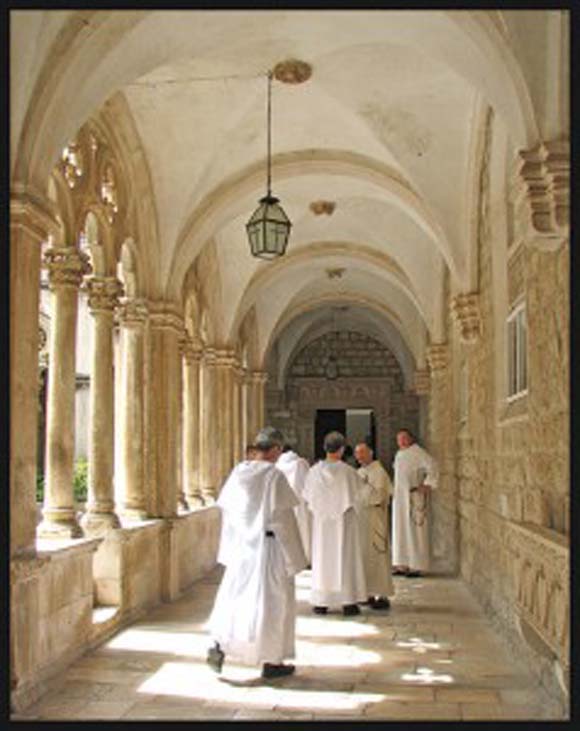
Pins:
x,y
335,495
254,613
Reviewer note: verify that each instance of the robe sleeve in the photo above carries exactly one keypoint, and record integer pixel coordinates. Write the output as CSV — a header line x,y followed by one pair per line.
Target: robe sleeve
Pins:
x,y
380,483
432,471
284,525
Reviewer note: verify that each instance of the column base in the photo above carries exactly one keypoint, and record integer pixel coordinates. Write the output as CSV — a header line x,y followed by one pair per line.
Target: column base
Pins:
x,y
195,501
97,524
182,505
134,513
208,496
59,525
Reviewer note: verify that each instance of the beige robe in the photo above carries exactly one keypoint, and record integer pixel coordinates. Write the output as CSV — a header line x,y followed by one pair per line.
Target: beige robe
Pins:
x,y
375,529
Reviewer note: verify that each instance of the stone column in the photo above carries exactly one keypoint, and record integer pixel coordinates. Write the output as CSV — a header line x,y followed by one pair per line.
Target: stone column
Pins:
x,y
208,424
244,401
30,223
66,266
237,415
225,365
166,329
100,516
191,423
133,316
256,402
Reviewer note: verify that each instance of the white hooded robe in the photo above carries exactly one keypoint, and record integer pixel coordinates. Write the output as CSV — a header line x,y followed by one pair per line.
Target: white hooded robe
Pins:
x,y
334,493
376,542
254,613
296,468
413,466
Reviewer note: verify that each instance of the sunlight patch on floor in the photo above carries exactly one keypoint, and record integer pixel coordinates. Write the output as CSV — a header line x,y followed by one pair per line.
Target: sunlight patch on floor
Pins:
x,y
426,676
193,680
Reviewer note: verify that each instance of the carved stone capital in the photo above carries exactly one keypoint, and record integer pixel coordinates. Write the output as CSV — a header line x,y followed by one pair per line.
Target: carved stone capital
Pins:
x,y
258,377
208,357
167,321
132,312
226,358
437,358
466,314
541,194
104,293
66,266
422,382
191,349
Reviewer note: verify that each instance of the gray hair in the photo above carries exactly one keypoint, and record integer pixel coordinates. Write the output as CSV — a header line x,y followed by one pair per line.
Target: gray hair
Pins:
x,y
334,441
269,437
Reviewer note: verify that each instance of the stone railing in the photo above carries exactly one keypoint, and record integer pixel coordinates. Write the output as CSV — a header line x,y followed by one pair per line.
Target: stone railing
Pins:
x,y
542,580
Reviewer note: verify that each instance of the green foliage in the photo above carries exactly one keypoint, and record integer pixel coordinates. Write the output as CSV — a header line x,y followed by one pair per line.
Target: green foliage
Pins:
x,y
80,482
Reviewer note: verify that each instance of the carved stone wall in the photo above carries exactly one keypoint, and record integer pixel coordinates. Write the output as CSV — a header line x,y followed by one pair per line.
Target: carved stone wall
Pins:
x,y
369,377
512,470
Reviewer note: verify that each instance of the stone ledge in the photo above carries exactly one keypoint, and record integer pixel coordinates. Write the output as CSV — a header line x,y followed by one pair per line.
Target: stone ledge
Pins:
x,y
55,548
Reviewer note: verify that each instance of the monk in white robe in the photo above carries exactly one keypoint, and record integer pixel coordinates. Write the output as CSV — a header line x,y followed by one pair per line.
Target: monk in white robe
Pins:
x,y
334,493
375,528
415,475
296,468
254,613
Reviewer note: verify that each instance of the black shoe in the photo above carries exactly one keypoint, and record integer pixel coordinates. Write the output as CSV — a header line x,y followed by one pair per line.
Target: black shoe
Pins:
x,y
215,658
413,574
276,671
397,572
350,610
381,603
320,610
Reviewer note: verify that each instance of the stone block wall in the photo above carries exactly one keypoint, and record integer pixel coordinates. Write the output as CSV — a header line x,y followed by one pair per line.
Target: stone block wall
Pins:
x,y
510,463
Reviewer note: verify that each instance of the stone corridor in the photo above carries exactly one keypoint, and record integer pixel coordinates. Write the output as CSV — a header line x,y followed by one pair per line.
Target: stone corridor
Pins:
x,y
434,655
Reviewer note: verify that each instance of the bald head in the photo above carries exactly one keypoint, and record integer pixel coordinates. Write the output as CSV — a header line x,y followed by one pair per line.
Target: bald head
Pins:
x,y
363,453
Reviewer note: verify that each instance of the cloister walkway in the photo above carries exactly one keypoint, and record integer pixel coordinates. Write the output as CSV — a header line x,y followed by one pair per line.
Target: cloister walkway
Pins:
x,y
434,655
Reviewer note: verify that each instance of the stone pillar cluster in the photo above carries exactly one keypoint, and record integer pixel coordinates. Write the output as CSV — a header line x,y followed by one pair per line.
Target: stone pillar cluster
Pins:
x,y
100,515
66,267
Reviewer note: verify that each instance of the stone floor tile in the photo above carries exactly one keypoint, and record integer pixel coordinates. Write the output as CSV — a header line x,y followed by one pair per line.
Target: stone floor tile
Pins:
x,y
467,695
480,712
413,711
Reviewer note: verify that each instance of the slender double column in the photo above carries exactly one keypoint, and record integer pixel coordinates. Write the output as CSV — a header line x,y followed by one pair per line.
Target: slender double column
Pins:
x,y
66,267
100,516
225,366
192,353
256,381
133,315
237,406
208,427
164,432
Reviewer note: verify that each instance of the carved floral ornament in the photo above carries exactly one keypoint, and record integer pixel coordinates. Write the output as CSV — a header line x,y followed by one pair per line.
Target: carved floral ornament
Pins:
x,y
133,312
422,382
66,266
437,359
104,293
466,314
541,194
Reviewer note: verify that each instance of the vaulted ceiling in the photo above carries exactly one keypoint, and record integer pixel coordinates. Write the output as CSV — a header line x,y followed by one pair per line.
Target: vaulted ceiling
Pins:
x,y
388,128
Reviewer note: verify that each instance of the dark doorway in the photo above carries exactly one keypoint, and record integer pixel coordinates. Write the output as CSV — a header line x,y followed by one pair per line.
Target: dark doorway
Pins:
x,y
327,420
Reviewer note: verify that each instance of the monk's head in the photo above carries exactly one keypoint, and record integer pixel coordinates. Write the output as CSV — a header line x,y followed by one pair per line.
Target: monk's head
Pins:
x,y
363,453
334,444
405,438
268,444
251,451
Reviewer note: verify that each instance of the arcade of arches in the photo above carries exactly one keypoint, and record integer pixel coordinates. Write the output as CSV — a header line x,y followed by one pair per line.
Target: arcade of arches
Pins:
x,y
424,165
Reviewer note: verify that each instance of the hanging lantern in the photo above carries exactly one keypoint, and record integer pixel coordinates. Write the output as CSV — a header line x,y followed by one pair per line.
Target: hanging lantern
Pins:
x,y
269,227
